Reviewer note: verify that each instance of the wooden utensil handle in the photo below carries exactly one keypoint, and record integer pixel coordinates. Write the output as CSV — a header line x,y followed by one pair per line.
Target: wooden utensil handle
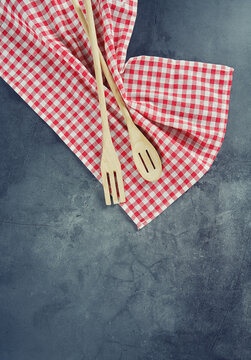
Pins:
x,y
105,69
98,71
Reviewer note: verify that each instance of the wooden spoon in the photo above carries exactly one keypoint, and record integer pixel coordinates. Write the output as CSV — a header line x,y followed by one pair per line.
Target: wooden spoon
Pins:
x,y
145,156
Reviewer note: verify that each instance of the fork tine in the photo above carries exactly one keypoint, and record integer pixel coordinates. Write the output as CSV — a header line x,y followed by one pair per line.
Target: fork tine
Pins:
x,y
106,189
121,187
114,188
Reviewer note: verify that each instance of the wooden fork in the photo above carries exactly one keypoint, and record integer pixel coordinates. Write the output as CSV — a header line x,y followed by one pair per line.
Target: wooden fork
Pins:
x,y
145,156
110,165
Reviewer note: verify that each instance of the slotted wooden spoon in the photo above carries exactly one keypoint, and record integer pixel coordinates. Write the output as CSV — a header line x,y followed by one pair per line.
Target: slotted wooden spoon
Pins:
x,y
145,156
110,165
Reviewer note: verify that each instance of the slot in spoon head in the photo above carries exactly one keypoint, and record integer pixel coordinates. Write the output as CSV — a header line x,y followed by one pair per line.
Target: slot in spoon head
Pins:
x,y
145,156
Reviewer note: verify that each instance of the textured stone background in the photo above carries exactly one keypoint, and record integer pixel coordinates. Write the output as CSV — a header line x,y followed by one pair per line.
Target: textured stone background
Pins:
x,y
77,280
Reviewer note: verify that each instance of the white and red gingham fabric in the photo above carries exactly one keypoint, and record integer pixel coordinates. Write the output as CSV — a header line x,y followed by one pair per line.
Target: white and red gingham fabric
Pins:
x,y
181,105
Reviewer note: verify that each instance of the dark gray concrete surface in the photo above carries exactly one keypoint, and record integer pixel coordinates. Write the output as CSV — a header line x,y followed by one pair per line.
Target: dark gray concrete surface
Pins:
x,y
77,280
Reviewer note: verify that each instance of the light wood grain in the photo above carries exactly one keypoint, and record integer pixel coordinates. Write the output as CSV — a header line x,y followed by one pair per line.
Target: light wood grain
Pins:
x,y
110,165
151,168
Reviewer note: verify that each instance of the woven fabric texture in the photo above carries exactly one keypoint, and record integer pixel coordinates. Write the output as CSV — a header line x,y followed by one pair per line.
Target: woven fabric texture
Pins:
x,y
181,106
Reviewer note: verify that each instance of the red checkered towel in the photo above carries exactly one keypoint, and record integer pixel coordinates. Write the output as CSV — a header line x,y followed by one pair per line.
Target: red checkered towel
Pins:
x,y
182,106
